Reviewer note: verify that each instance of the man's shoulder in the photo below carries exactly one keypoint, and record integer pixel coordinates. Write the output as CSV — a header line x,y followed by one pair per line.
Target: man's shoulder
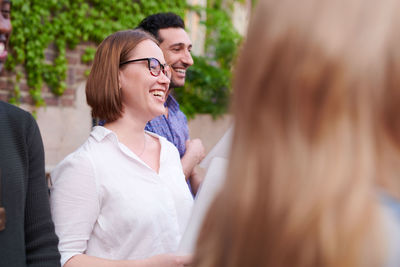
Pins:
x,y
11,110
14,115
174,109
172,103
155,123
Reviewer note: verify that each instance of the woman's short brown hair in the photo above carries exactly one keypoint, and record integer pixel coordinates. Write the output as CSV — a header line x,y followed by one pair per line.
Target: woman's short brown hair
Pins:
x,y
102,88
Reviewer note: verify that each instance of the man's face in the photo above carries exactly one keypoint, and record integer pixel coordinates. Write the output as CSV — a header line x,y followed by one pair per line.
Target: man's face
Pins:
x,y
176,47
5,30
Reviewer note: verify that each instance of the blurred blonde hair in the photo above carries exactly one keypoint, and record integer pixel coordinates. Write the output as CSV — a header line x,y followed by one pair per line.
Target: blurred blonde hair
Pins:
x,y
316,107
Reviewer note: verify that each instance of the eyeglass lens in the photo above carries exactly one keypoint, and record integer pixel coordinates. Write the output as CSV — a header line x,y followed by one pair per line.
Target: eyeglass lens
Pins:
x,y
156,67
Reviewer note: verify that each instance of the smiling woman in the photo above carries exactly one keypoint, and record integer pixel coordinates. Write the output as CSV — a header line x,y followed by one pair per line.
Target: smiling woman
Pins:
x,y
122,195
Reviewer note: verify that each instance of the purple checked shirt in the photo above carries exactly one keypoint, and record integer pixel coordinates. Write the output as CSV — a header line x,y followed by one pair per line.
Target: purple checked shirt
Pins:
x,y
174,128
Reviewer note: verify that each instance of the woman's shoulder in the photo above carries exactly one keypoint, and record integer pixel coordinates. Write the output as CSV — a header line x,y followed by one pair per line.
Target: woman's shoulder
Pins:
x,y
94,151
79,157
90,147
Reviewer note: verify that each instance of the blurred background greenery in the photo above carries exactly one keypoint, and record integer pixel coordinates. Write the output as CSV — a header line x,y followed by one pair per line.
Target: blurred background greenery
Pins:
x,y
38,24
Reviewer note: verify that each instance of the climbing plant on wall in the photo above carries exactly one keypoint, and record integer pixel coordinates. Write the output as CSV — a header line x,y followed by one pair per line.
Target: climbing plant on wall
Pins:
x,y
65,23
208,84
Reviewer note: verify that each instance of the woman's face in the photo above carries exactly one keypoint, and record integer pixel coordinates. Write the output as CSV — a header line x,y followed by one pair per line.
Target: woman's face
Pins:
x,y
143,93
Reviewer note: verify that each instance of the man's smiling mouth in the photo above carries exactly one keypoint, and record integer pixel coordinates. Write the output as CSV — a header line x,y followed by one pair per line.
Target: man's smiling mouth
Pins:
x,y
182,71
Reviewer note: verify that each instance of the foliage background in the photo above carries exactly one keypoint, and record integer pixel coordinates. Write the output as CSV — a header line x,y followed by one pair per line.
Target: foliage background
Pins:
x,y
37,24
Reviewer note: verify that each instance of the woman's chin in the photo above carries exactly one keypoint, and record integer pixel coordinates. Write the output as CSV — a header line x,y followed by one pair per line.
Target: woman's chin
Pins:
x,y
158,112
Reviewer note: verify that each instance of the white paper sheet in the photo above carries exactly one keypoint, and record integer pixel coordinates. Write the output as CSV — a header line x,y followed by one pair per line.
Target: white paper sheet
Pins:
x,y
211,185
220,150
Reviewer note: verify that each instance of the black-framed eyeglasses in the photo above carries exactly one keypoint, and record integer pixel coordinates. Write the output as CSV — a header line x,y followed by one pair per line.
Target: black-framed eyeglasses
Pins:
x,y
154,65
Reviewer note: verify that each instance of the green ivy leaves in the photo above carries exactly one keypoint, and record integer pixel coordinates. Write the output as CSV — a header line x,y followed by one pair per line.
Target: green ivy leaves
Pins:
x,y
62,24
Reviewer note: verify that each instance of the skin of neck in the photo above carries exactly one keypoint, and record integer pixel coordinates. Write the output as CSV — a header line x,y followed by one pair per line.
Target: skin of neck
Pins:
x,y
129,129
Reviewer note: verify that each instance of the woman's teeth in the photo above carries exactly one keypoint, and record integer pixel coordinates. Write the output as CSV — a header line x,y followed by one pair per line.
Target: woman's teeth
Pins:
x,y
158,93
2,48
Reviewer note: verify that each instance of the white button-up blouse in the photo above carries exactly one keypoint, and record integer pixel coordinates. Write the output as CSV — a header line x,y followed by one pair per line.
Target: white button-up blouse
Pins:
x,y
106,202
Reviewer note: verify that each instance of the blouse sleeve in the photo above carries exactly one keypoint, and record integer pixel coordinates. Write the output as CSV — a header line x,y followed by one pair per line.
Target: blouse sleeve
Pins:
x,y
74,204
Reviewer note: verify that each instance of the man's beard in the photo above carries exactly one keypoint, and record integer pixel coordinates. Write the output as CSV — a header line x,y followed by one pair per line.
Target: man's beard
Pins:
x,y
174,85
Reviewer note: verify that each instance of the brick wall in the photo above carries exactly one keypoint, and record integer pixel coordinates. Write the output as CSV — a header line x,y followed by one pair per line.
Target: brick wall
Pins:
x,y
75,75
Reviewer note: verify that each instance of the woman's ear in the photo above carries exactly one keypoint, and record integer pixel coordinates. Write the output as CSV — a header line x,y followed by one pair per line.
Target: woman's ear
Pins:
x,y
119,79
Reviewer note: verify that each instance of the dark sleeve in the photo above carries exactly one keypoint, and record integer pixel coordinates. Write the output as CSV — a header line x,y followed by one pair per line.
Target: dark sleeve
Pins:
x,y
40,239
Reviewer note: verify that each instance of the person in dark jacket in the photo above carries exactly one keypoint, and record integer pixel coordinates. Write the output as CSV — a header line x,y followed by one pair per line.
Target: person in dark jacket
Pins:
x,y
27,236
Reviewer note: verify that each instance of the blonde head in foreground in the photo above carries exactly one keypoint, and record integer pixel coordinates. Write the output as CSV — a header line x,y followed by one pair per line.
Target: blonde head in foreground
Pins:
x,y
317,138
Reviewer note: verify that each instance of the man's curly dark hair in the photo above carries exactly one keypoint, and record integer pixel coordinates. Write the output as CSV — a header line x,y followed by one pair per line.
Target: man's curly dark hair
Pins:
x,y
155,22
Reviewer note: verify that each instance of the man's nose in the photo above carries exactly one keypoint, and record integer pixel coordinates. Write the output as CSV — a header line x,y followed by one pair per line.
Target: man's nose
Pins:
x,y
187,58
